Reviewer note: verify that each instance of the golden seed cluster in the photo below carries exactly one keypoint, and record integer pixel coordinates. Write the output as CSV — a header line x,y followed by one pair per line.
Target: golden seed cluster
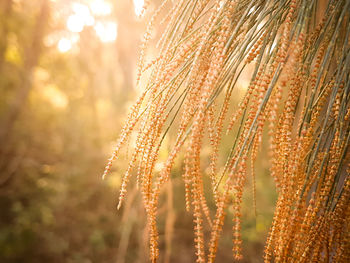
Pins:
x,y
297,100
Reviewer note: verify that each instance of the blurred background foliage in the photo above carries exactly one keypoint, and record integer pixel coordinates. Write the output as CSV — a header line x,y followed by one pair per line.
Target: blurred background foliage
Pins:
x,y
67,71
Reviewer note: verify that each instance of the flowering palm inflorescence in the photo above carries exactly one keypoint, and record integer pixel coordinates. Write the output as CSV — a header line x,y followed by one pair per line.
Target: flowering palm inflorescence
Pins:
x,y
297,55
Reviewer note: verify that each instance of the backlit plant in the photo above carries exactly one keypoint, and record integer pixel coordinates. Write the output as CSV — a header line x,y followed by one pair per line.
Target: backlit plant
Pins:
x,y
297,56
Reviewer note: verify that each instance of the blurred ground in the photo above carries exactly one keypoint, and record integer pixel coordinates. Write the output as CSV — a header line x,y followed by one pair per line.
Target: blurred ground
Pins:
x,y
67,71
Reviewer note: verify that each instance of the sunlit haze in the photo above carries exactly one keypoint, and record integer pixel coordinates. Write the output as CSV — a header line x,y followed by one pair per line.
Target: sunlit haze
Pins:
x,y
83,12
80,18
91,14
138,7
106,31
100,8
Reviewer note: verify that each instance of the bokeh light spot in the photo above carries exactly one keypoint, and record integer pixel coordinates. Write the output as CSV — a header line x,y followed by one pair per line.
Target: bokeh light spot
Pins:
x,y
64,45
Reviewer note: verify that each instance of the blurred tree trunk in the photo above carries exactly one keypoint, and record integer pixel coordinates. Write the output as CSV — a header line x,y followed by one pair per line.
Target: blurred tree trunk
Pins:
x,y
127,43
31,57
5,10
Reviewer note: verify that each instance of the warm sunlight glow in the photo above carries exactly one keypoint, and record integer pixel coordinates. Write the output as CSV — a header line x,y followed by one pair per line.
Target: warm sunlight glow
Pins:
x,y
81,17
80,9
75,23
138,7
83,12
56,97
64,45
100,8
107,31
